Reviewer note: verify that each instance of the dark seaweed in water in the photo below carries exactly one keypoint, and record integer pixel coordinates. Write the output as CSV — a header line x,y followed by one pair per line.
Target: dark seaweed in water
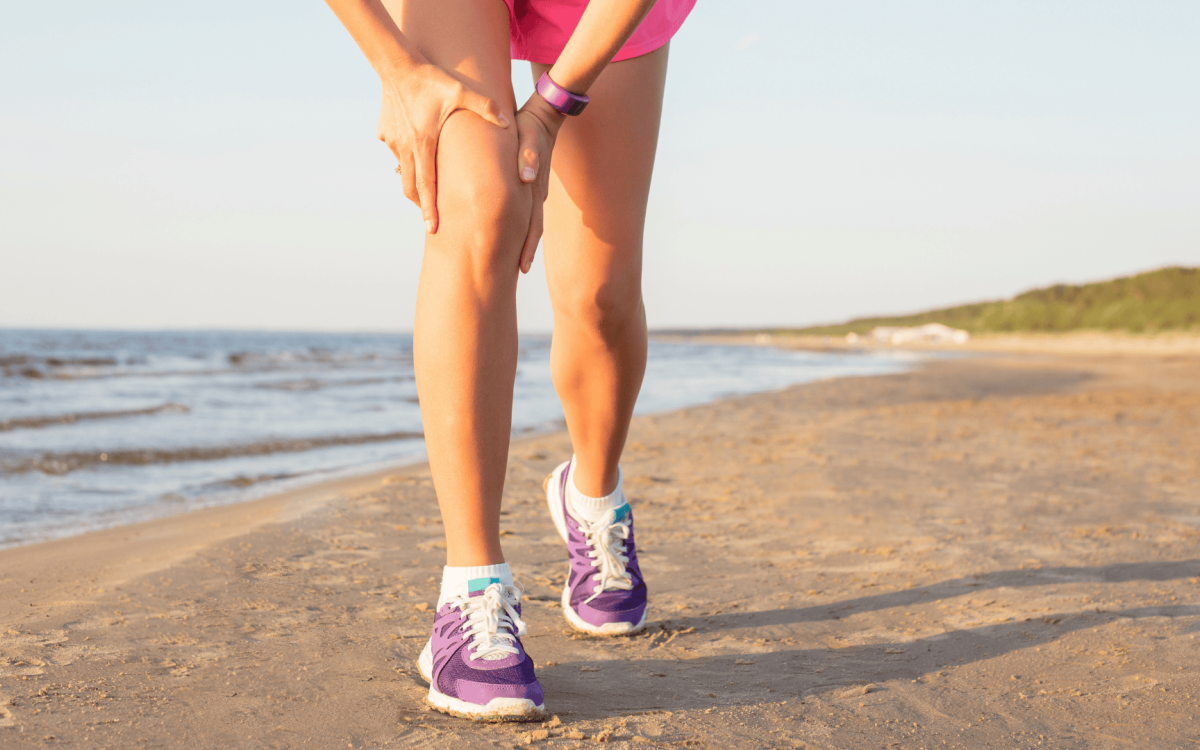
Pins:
x,y
64,463
25,366
241,482
46,421
81,362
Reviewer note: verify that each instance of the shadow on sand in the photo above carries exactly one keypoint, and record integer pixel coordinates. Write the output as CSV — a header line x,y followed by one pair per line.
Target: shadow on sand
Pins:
x,y
760,677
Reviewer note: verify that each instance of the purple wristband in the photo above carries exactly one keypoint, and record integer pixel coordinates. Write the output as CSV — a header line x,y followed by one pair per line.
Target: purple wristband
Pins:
x,y
563,101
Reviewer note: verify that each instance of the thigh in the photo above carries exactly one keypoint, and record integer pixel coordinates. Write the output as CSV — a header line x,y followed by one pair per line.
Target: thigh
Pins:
x,y
470,40
600,179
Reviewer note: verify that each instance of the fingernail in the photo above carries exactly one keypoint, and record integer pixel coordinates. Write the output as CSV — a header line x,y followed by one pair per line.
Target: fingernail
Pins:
x,y
503,120
429,225
528,173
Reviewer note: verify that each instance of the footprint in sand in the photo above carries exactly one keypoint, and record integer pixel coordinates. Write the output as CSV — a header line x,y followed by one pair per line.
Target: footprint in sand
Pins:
x,y
25,654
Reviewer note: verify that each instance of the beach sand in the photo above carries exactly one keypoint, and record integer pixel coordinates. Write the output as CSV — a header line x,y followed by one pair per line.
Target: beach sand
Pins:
x,y
989,552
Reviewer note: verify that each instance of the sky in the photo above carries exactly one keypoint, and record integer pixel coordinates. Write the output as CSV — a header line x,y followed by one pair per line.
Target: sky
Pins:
x,y
214,165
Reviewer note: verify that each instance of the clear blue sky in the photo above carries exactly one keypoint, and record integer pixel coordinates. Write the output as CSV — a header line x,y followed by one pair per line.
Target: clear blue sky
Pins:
x,y
214,164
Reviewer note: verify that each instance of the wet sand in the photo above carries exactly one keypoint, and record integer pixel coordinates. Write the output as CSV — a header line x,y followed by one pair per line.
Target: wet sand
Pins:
x,y
994,552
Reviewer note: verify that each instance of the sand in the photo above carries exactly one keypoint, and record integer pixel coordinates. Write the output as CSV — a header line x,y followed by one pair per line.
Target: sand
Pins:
x,y
990,552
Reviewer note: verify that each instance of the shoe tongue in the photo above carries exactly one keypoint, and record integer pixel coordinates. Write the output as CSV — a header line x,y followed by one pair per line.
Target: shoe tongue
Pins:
x,y
477,586
496,657
593,516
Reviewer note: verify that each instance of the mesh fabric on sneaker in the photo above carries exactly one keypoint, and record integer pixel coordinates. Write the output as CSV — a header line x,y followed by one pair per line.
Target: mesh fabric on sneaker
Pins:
x,y
476,647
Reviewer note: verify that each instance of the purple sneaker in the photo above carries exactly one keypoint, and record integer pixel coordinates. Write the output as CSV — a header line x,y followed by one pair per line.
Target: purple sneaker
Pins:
x,y
474,662
605,593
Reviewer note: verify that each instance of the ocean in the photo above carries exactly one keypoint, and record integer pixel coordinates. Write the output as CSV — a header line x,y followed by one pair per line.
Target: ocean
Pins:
x,y
102,428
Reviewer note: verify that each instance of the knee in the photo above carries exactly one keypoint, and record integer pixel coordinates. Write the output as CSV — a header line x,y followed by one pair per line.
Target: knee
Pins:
x,y
482,207
488,206
607,308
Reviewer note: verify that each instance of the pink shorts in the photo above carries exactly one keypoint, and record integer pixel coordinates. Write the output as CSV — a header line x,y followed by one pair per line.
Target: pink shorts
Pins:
x,y
540,28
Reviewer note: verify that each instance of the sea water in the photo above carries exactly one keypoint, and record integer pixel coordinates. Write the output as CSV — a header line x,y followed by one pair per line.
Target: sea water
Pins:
x,y
100,428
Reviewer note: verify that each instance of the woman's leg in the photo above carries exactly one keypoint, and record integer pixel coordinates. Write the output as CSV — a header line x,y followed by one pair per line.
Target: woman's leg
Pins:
x,y
465,336
595,215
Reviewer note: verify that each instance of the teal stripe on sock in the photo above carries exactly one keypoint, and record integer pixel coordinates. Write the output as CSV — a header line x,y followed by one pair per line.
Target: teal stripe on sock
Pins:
x,y
479,584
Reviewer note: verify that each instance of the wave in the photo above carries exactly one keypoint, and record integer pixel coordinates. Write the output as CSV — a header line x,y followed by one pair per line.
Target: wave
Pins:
x,y
22,423
24,366
240,363
13,360
314,384
314,354
242,481
58,464
34,373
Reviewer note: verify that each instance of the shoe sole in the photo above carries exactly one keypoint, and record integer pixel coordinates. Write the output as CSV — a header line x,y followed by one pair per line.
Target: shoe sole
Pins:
x,y
607,629
560,523
555,502
496,710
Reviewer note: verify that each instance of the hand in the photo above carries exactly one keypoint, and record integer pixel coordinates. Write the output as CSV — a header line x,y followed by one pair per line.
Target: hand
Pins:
x,y
416,104
537,129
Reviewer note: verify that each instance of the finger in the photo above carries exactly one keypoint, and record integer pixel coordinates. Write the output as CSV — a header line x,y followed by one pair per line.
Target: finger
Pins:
x,y
527,155
426,176
408,177
482,106
406,171
535,231
395,149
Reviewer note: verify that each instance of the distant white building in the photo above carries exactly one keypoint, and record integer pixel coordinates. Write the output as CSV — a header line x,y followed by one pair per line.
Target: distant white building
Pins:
x,y
930,333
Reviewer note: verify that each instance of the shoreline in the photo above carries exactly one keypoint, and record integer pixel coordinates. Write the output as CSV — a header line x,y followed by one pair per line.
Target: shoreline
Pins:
x,y
84,474
144,547
288,490
1081,343
989,551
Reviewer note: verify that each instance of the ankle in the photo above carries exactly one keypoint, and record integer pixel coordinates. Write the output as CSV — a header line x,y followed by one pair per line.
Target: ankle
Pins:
x,y
469,547
595,483
592,508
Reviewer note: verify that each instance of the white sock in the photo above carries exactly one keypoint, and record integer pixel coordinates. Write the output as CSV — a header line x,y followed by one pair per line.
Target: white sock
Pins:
x,y
461,581
592,509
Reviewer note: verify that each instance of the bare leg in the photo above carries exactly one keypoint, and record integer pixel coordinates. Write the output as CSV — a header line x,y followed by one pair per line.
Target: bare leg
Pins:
x,y
595,215
465,336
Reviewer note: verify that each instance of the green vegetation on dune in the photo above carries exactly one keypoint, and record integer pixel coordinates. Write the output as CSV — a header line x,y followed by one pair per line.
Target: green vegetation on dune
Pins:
x,y
1164,300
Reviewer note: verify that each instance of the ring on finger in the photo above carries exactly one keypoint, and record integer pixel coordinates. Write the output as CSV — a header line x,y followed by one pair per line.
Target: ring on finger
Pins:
x,y
397,169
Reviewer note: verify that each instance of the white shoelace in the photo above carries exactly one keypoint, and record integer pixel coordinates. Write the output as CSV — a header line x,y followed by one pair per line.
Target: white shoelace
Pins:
x,y
493,624
607,541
